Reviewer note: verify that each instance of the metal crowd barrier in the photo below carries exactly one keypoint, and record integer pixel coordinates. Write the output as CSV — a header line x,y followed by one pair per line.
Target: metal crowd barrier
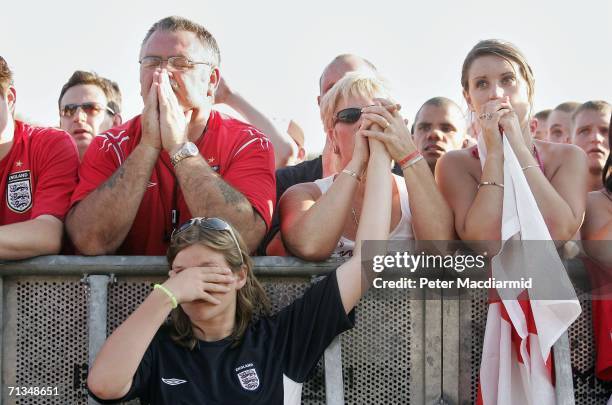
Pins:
x,y
57,311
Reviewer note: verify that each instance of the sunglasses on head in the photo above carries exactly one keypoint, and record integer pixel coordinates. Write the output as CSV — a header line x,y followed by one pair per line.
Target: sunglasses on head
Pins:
x,y
89,108
348,115
216,224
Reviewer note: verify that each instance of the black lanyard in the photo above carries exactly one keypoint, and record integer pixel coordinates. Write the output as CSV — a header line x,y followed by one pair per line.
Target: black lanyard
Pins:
x,y
174,213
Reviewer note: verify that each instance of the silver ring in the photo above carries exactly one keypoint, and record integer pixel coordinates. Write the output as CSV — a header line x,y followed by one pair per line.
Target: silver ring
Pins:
x,y
486,116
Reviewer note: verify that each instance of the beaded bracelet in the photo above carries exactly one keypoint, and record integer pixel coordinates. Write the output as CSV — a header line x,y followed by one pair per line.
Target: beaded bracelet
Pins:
x,y
168,293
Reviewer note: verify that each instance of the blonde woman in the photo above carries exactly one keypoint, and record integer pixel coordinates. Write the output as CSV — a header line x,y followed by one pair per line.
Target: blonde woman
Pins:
x,y
320,219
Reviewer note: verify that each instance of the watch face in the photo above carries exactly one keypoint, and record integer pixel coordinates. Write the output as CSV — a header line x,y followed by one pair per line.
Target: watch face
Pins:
x,y
191,149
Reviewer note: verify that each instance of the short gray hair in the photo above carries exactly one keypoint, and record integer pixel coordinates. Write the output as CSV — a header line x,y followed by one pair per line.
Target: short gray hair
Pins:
x,y
175,23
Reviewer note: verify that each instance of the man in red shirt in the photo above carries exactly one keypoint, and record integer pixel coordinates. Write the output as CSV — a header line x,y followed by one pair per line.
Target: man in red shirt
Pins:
x,y
179,159
39,172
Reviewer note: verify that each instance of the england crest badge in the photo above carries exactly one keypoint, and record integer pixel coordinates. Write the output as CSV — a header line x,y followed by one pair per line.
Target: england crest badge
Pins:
x,y
247,375
19,191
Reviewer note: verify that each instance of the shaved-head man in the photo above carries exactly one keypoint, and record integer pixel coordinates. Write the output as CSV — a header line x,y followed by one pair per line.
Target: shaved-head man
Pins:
x,y
338,67
559,122
590,127
542,129
439,126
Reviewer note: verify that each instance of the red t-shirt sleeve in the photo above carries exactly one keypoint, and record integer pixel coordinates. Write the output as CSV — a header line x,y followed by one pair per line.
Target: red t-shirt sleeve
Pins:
x,y
58,164
100,161
251,171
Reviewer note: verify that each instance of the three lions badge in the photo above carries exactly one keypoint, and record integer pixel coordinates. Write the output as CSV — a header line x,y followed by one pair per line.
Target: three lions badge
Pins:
x,y
247,375
19,191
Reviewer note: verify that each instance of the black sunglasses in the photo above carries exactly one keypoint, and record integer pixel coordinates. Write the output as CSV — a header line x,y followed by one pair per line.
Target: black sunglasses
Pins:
x,y
348,115
216,224
90,108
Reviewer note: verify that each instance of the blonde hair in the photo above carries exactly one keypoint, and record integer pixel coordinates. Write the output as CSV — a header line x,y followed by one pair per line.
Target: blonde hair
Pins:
x,y
6,76
353,84
251,299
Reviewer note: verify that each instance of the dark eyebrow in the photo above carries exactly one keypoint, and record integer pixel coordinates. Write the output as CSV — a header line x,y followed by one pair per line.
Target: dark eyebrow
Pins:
x,y
446,123
509,72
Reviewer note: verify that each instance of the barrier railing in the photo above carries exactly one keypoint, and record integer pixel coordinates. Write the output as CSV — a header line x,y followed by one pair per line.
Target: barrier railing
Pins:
x,y
57,310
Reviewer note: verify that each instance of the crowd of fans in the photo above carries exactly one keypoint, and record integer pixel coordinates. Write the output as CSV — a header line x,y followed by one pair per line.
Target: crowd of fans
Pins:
x,y
105,185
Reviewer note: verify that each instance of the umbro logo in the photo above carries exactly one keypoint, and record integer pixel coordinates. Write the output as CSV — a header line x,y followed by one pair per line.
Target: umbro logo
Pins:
x,y
173,381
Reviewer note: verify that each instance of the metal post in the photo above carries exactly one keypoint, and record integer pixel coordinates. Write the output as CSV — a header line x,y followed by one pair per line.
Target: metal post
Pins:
x,y
98,299
334,384
433,348
564,386
451,335
417,347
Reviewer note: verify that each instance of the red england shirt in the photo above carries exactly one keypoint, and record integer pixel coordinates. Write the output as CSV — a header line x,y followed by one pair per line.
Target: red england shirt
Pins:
x,y
240,153
39,174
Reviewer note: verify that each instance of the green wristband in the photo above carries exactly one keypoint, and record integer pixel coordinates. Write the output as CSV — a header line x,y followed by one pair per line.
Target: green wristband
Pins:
x,y
168,293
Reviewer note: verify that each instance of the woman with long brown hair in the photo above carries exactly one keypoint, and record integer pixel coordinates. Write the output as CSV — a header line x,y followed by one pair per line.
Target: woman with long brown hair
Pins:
x,y
508,189
220,346
498,86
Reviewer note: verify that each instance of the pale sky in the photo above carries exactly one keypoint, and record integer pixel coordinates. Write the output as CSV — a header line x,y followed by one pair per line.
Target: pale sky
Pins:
x,y
273,52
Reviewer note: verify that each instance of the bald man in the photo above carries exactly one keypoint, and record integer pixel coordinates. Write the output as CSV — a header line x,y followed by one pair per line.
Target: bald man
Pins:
x,y
559,122
590,127
541,117
439,126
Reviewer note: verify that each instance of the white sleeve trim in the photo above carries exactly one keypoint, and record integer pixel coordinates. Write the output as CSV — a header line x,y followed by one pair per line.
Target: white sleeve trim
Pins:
x,y
292,391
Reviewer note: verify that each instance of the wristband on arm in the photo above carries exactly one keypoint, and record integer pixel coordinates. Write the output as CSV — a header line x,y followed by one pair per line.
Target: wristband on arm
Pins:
x,y
408,158
168,293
